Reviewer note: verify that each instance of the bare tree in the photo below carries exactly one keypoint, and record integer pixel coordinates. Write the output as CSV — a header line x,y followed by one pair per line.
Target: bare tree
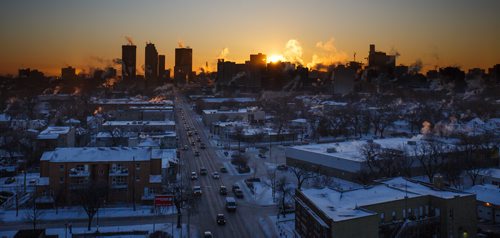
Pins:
x,y
91,197
302,175
285,191
271,175
33,213
474,150
431,157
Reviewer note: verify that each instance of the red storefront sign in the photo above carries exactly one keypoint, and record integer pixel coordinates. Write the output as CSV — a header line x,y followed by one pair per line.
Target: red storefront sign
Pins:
x,y
164,200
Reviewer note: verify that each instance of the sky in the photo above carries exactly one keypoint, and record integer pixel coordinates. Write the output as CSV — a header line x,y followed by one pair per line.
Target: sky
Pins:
x,y
51,34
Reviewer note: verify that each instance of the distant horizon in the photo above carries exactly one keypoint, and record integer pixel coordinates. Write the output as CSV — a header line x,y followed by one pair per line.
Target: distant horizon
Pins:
x,y
50,35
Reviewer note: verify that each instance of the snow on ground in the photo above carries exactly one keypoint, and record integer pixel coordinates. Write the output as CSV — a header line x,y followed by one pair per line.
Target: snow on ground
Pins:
x,y
78,213
284,226
149,228
263,194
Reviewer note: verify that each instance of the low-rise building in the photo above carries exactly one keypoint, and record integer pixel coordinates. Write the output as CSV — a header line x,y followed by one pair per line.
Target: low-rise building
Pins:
x,y
488,202
56,136
244,114
139,126
396,207
130,173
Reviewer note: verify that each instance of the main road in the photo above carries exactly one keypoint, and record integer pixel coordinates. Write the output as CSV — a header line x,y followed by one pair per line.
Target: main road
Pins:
x,y
242,223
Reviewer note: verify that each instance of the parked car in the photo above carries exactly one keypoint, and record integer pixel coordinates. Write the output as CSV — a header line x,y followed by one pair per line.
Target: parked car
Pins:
x,y
282,167
238,193
262,156
10,180
223,170
196,153
223,190
221,219
202,146
185,147
194,176
215,175
207,234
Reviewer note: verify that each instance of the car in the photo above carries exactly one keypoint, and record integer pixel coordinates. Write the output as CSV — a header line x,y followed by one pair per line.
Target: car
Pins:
x,y
235,186
223,190
185,147
197,191
221,219
203,171
194,176
192,143
196,132
202,146
198,139
10,180
231,204
262,156
215,175
207,234
196,153
223,170
190,134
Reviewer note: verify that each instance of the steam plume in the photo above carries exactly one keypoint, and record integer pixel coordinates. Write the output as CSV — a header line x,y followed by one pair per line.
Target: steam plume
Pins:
x,y
293,52
223,54
180,44
129,40
416,67
329,55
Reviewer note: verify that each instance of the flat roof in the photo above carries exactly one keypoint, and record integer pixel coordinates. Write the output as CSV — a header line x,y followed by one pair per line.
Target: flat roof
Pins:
x,y
139,123
53,132
345,205
97,154
486,193
221,100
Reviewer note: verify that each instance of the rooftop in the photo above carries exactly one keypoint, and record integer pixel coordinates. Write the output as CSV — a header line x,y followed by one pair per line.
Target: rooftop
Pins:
x,y
140,123
486,193
344,205
221,100
97,154
53,132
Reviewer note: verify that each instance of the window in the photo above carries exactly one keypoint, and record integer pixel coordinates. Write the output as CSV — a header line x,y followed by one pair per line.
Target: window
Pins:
x,y
137,178
382,215
137,166
393,215
437,211
61,179
61,167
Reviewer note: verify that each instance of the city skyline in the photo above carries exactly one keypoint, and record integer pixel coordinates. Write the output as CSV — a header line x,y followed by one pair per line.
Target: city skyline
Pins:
x,y
89,34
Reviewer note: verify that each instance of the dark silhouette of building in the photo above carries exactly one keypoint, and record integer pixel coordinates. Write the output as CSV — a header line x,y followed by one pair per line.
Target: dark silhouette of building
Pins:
x,y
256,70
344,77
30,74
229,73
68,73
161,67
494,72
128,61
380,63
453,75
183,69
151,62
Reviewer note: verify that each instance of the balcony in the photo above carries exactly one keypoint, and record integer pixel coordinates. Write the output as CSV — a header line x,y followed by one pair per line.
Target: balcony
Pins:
x,y
75,172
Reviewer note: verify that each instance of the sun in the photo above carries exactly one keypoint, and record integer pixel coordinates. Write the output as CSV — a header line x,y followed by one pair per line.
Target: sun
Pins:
x,y
275,58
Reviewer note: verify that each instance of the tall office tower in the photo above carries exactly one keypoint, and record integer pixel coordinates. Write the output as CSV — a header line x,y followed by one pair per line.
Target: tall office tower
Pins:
x,y
161,67
256,70
151,62
183,68
128,61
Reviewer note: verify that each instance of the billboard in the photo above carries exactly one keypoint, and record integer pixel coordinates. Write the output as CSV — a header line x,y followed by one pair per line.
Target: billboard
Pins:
x,y
164,200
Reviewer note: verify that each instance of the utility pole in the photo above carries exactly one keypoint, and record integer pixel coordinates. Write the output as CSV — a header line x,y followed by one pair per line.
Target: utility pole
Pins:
x,y
134,167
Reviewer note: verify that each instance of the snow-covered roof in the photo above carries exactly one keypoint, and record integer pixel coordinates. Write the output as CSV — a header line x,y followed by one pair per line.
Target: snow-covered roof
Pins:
x,y
166,155
139,123
345,205
53,132
486,193
350,150
490,172
334,103
221,100
131,101
4,117
97,154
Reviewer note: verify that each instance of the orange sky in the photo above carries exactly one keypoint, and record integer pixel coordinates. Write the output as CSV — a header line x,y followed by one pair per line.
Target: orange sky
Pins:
x,y
48,35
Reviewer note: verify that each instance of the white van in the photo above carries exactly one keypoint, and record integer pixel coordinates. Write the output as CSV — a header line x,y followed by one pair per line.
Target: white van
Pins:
x,y
230,203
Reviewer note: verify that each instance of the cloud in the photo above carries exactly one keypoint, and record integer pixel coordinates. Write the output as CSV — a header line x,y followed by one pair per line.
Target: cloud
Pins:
x,y
328,54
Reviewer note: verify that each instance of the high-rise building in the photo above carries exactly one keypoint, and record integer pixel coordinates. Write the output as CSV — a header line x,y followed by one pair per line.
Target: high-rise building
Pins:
x,y
128,61
161,67
151,62
183,65
256,69
380,62
68,73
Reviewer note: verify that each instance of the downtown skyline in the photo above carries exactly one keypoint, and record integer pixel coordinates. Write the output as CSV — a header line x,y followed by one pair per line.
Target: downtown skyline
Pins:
x,y
89,34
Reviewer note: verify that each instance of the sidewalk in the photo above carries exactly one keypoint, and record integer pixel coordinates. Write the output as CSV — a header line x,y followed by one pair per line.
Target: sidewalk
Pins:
x,y
73,213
